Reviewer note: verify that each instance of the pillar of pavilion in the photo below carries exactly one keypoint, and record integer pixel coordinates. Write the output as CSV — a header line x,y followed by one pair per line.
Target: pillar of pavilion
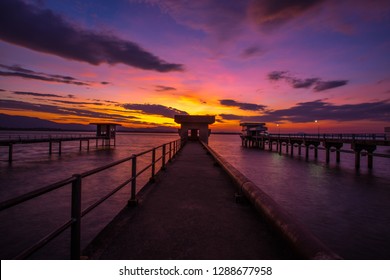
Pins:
x,y
194,127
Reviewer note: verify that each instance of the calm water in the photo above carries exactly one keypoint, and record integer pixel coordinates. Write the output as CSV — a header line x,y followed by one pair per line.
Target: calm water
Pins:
x,y
348,210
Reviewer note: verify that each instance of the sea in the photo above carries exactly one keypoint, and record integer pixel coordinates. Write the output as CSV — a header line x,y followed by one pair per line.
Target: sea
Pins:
x,y
347,209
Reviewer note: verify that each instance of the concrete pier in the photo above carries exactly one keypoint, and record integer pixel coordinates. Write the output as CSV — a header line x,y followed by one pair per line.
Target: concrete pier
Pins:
x,y
191,212
359,143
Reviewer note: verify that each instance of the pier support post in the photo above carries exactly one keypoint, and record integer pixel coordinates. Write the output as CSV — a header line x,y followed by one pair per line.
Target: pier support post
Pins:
x,y
358,148
357,159
10,152
292,149
337,155
50,148
59,147
327,155
328,145
370,158
307,152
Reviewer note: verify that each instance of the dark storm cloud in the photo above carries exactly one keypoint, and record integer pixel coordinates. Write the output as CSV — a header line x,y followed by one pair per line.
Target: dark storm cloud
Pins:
x,y
316,83
17,71
321,110
155,109
164,88
270,13
241,105
44,31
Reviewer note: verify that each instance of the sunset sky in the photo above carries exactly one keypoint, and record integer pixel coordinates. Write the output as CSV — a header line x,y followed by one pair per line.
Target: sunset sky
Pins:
x,y
140,62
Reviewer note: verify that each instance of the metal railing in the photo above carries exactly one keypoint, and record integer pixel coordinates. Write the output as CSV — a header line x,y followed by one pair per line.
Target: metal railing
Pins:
x,y
168,151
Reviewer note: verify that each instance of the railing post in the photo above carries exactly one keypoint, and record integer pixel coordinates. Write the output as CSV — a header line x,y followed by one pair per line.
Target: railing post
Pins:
x,y
10,152
133,200
76,217
163,157
170,151
153,164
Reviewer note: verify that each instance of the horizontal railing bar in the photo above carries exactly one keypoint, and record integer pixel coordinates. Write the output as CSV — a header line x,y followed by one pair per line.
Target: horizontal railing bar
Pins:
x,y
46,239
104,198
33,194
143,153
144,169
99,169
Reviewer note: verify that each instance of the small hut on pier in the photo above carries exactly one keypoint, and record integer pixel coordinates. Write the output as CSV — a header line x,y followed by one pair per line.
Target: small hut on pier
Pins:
x,y
106,131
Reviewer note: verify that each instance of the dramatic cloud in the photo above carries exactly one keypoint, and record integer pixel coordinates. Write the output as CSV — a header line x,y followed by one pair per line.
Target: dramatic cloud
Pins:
x,y
319,109
270,12
155,109
17,71
242,106
316,83
45,31
164,88
64,111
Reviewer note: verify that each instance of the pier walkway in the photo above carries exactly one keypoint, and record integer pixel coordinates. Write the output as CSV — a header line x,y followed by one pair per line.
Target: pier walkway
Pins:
x,y
190,212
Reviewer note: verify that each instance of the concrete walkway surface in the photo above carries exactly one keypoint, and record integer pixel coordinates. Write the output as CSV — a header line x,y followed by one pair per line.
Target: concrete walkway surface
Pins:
x,y
189,213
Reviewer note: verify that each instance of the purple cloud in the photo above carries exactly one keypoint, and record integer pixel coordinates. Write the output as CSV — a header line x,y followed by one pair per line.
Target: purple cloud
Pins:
x,y
321,110
241,105
155,109
164,88
17,71
316,83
